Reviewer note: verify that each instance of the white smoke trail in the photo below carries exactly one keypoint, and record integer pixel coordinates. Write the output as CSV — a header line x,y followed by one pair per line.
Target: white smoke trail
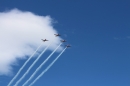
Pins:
x,y
24,65
47,67
31,66
41,65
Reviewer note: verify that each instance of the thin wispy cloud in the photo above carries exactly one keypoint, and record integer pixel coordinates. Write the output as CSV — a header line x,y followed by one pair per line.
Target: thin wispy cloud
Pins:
x,y
116,38
20,34
122,38
128,37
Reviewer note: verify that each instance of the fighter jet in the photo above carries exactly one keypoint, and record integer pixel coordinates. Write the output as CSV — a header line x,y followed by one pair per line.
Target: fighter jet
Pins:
x,y
57,35
68,46
63,40
44,40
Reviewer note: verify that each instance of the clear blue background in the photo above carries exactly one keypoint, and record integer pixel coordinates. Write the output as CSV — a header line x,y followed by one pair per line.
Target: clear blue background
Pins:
x,y
99,32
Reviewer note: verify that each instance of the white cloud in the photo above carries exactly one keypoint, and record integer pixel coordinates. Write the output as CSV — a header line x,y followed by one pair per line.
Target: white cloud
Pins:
x,y
20,34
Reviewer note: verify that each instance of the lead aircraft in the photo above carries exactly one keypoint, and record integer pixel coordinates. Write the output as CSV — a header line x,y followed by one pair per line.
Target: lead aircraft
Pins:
x,y
57,35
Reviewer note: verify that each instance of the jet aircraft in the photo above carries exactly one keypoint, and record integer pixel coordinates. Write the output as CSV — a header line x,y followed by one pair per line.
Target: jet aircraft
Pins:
x,y
68,46
44,40
57,35
63,40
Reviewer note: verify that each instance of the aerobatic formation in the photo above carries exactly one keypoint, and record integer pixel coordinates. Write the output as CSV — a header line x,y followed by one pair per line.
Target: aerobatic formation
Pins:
x,y
15,81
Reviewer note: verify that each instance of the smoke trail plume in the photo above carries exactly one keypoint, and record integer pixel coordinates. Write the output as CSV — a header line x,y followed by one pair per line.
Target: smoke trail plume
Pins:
x,y
23,66
17,31
31,66
41,65
48,67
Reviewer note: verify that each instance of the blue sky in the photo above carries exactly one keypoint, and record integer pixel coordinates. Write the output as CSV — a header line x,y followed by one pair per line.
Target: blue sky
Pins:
x,y
99,32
